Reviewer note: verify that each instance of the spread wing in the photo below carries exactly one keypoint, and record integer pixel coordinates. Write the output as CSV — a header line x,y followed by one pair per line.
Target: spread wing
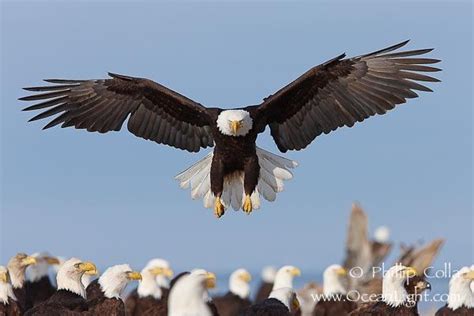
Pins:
x,y
342,92
156,112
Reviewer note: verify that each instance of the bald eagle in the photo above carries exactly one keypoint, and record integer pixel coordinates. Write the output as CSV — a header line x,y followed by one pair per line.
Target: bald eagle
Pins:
x,y
149,293
237,299
461,297
106,298
335,300
71,294
16,269
337,93
397,298
8,304
38,286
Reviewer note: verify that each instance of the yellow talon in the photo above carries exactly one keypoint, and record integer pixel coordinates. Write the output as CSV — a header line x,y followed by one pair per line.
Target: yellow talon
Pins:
x,y
218,208
247,205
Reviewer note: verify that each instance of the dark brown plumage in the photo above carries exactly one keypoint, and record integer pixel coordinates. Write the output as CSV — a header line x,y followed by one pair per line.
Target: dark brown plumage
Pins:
x,y
462,311
94,291
60,303
98,304
263,291
230,304
336,305
269,307
10,309
339,92
39,291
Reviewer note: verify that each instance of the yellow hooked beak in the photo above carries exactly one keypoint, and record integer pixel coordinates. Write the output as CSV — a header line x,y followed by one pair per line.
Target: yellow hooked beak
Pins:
x,y
88,268
4,277
469,275
134,275
210,280
29,260
246,277
235,126
341,271
162,271
409,272
52,260
295,272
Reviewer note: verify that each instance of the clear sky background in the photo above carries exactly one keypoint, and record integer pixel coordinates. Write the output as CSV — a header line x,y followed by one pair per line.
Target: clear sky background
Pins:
x,y
112,198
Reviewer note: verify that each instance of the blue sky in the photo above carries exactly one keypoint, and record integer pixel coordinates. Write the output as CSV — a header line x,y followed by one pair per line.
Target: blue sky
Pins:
x,y
112,198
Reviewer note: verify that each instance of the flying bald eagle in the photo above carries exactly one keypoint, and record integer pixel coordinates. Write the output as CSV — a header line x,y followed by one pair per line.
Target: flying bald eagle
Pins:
x,y
339,92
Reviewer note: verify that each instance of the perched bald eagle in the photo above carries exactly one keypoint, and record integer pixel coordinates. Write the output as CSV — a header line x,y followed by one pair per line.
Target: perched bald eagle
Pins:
x,y
461,297
234,302
189,294
71,294
16,268
266,285
339,92
281,302
396,299
8,304
335,301
284,277
104,295
38,286
150,290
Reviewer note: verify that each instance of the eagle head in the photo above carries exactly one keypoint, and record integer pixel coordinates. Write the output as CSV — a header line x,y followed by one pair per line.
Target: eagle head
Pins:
x,y
234,122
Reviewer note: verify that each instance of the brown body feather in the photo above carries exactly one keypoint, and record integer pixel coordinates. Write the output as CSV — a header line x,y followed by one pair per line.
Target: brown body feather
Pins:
x,y
230,304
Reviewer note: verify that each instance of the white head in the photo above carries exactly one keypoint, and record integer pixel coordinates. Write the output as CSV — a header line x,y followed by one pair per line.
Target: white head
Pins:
x,y
156,269
39,270
268,274
460,293
234,122
285,276
239,283
17,267
382,234
70,273
6,291
114,280
393,290
187,297
333,278
287,296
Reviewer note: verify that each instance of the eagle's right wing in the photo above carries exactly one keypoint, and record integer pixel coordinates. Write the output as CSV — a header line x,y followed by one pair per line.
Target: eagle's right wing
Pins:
x,y
156,112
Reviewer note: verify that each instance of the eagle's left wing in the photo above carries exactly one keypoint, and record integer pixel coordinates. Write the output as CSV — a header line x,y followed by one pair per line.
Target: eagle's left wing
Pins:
x,y
341,92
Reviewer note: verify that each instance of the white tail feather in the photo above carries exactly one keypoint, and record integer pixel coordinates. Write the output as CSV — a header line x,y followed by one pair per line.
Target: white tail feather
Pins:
x,y
273,171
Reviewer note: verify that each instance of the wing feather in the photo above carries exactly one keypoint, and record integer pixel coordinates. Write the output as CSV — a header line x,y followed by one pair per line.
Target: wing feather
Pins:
x,y
154,111
341,92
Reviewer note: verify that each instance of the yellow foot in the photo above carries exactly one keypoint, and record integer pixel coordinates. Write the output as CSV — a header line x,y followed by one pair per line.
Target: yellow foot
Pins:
x,y
247,207
218,208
